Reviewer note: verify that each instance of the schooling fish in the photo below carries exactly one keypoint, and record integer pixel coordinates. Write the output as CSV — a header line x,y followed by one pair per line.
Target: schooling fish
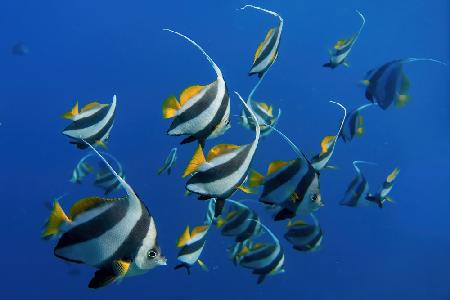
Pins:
x,y
93,124
223,171
106,180
169,163
389,84
267,51
303,236
342,48
263,259
353,124
237,249
82,169
115,236
202,112
382,194
328,143
191,245
357,191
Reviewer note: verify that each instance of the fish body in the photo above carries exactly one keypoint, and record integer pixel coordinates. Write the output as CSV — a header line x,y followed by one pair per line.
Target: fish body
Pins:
x,y
303,236
382,195
354,124
357,191
169,162
82,169
264,115
191,245
107,181
242,223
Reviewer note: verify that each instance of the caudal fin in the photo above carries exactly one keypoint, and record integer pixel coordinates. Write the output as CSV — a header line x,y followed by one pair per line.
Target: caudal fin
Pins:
x,y
57,218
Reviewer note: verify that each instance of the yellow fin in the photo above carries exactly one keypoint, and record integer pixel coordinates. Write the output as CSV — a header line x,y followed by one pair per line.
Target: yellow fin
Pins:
x,y
360,131
255,179
246,189
120,267
198,229
219,222
389,199
257,246
101,144
365,82
244,251
264,106
220,149
91,105
259,49
88,203
339,44
202,265
326,143
297,222
402,100
197,160
72,113
190,92
275,166
392,176
184,237
170,107
56,219
294,197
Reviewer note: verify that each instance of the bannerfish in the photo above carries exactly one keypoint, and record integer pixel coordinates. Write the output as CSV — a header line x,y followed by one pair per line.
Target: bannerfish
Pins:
x,y
354,124
303,236
118,236
357,191
223,171
328,143
382,194
263,258
342,48
169,162
202,112
92,124
82,169
191,245
106,180
20,49
389,84
235,250
267,51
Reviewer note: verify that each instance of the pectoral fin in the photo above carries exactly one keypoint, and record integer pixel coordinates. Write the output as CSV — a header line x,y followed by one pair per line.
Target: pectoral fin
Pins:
x,y
120,267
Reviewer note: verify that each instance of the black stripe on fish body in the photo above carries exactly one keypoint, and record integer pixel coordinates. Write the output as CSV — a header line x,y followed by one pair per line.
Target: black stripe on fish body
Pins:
x,y
110,188
311,245
304,185
303,230
98,136
387,185
242,217
375,77
192,248
250,231
258,255
273,264
228,193
281,177
356,190
223,170
390,87
343,50
130,247
90,120
93,228
266,52
107,177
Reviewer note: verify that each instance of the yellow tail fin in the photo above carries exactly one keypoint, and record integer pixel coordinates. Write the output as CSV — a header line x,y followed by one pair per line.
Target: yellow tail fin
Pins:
x,y
56,219
197,160
255,179
202,264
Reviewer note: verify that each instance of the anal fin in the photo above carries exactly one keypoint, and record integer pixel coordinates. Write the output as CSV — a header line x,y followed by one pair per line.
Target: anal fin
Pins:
x,y
102,278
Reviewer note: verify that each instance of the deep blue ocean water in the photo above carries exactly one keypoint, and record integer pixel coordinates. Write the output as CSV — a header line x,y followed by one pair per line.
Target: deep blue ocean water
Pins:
x,y
91,50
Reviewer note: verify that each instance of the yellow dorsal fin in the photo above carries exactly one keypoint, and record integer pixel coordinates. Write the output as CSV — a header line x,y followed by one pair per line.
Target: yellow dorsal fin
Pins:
x,y
170,107
190,92
202,265
72,113
339,43
91,105
244,251
184,237
198,229
257,246
88,203
246,189
56,219
392,176
365,82
402,100
196,161
220,149
259,49
230,215
360,131
255,179
297,222
275,166
264,106
219,221
101,144
120,267
326,143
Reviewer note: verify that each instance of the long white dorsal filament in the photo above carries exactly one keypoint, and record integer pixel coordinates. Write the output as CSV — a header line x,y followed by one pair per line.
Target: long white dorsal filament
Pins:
x,y
356,162
264,10
258,128
342,123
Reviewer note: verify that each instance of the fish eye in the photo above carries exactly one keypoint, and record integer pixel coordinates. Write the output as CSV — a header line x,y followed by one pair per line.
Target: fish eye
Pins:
x,y
152,253
314,197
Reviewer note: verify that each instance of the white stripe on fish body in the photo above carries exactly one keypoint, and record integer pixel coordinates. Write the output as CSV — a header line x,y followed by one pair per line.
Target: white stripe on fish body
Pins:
x,y
89,215
307,206
279,267
149,242
385,191
86,133
198,123
96,251
190,258
87,113
224,124
264,262
340,58
260,67
197,237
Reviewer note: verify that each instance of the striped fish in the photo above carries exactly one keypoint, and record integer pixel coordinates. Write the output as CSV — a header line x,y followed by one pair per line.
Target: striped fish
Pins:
x,y
169,162
342,48
303,236
116,236
353,124
389,84
328,143
382,195
191,245
210,212
202,112
263,259
357,191
235,250
267,51
264,115
93,125
106,180
223,171
82,169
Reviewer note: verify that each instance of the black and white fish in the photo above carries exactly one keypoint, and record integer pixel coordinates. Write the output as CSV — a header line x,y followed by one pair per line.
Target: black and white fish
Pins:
x,y
382,195
191,245
106,180
82,169
116,236
342,48
235,250
92,124
303,236
267,51
354,124
202,112
223,171
169,162
357,191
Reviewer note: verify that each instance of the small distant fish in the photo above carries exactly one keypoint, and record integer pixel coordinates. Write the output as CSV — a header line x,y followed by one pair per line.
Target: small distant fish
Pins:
x,y
107,180
169,162
223,171
202,112
382,195
354,124
115,236
357,191
20,49
92,124
342,48
191,245
81,170
304,236
267,51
